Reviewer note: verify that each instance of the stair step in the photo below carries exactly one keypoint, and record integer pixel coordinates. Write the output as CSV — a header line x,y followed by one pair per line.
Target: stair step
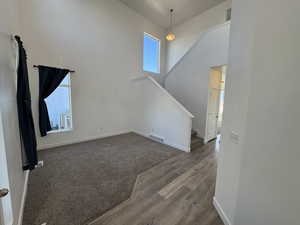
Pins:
x,y
194,133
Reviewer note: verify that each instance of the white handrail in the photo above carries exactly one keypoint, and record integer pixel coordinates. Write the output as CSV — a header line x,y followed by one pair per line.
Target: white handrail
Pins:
x,y
155,83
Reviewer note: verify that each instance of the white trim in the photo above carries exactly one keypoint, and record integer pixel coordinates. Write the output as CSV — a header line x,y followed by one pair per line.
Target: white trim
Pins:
x,y
47,146
139,78
21,212
208,101
92,138
177,146
70,99
60,131
152,36
180,147
221,212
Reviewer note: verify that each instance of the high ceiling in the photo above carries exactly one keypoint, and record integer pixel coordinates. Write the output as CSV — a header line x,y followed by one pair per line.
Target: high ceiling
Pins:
x,y
158,10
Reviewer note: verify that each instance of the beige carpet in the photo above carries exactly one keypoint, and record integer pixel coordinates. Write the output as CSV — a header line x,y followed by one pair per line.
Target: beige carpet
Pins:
x,y
80,182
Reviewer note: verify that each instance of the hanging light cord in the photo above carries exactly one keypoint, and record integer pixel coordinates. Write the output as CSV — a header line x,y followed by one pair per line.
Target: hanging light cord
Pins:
x,y
171,19
170,36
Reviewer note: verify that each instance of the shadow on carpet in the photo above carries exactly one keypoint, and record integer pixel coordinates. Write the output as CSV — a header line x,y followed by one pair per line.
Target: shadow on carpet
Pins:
x,y
80,182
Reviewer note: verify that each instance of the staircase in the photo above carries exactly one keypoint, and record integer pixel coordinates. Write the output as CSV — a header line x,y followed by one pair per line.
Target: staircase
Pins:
x,y
188,80
196,142
177,191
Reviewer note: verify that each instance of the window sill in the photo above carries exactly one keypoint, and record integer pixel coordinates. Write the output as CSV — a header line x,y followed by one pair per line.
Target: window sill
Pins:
x,y
59,131
154,73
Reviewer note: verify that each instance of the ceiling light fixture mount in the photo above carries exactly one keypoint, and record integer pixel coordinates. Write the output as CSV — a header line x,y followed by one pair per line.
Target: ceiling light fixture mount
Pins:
x,y
170,36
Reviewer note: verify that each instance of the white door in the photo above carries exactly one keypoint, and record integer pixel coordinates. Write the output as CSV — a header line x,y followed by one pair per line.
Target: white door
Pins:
x,y
213,105
9,138
6,214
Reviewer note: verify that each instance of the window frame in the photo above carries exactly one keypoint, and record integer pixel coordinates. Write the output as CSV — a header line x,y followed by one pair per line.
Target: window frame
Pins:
x,y
71,112
159,53
228,14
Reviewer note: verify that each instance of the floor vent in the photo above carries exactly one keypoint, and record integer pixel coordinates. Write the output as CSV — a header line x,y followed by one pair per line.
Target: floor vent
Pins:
x,y
157,138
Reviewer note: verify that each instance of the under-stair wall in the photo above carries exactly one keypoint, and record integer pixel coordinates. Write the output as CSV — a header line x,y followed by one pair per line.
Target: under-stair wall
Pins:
x,y
188,80
158,115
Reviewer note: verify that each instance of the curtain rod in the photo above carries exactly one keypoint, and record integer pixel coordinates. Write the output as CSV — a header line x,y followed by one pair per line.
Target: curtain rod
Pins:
x,y
71,71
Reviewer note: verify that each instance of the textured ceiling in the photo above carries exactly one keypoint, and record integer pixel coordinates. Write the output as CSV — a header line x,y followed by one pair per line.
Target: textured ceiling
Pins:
x,y
158,10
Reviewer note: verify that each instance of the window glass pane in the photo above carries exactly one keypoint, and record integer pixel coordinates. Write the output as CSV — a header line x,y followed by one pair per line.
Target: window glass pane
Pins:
x,y
66,81
151,54
59,109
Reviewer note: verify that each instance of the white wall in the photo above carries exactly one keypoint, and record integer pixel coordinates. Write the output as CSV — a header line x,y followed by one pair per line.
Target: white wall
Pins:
x,y
258,177
190,31
158,113
8,106
189,80
102,41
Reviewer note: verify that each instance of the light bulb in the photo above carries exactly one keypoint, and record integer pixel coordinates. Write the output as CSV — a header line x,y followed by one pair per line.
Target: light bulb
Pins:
x,y
170,37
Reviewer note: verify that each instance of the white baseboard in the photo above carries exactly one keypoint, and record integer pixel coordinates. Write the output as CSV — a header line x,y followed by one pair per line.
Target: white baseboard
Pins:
x,y
54,145
20,219
180,147
221,212
92,138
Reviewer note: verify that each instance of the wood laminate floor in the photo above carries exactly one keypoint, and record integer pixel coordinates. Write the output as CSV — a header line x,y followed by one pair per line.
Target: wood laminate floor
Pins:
x,y
178,191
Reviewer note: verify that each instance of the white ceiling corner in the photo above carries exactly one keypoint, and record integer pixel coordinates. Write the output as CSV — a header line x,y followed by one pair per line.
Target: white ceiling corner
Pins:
x,y
158,10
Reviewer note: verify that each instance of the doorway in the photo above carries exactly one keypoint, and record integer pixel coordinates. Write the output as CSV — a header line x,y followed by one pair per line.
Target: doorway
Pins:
x,y
215,104
6,214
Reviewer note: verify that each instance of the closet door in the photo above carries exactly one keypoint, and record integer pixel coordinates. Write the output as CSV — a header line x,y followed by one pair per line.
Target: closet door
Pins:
x,y
6,215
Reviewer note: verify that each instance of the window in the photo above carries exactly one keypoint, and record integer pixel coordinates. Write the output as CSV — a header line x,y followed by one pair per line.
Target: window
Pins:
x,y
59,107
151,54
228,14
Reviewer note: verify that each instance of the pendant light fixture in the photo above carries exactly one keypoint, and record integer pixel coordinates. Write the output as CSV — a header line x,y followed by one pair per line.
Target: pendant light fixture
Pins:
x,y
170,36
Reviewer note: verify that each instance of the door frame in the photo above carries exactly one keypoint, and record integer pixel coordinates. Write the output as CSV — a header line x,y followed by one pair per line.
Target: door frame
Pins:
x,y
207,101
6,213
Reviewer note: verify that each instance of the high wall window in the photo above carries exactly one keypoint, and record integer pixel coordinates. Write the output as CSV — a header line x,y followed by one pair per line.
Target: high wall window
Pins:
x,y
228,14
151,54
59,107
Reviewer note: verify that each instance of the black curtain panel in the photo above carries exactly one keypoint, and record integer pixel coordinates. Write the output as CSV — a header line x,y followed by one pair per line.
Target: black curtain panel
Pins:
x,y
26,124
50,78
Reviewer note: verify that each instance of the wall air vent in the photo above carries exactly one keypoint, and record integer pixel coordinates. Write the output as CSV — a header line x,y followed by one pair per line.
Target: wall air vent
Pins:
x,y
157,138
